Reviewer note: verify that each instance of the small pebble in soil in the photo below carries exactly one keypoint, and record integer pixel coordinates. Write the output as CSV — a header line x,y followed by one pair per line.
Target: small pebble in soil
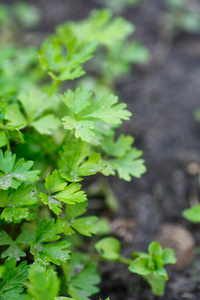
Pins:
x,y
180,239
193,169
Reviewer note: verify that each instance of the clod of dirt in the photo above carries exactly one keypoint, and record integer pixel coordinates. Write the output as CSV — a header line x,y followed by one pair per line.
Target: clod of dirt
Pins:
x,y
180,239
193,169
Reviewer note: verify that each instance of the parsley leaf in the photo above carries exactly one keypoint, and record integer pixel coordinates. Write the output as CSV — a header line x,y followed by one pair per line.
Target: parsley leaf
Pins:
x,y
13,280
35,103
14,251
81,285
44,284
53,252
77,161
117,148
123,158
9,130
17,203
85,225
99,27
3,107
46,124
82,120
11,174
14,115
63,59
60,192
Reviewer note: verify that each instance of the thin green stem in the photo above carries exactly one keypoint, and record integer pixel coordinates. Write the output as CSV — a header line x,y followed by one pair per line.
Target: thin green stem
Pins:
x,y
66,137
53,86
124,260
121,259
8,141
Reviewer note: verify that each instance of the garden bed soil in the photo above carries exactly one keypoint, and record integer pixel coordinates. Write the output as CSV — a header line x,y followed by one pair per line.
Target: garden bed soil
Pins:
x,y
162,97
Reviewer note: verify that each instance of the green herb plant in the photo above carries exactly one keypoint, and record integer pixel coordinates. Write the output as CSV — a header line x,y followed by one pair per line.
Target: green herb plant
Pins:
x,y
51,138
182,16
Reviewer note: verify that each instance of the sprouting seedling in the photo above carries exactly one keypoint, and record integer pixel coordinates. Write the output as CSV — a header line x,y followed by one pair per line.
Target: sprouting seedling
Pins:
x,y
150,266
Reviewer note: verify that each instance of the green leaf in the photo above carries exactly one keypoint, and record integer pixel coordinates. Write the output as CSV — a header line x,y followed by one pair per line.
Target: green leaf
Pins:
x,y
162,273
156,255
140,266
12,214
11,128
46,124
83,120
108,110
43,283
69,194
53,204
13,279
73,211
135,52
82,128
157,284
47,231
76,161
3,107
25,237
16,136
18,202
127,166
54,182
197,114
99,27
168,256
86,225
192,214
12,175
78,100
28,15
34,102
53,252
5,239
64,58
14,115
82,278
118,148
108,248
3,139
13,251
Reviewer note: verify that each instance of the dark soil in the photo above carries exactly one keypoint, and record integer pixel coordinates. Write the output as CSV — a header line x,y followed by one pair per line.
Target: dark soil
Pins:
x,y
162,97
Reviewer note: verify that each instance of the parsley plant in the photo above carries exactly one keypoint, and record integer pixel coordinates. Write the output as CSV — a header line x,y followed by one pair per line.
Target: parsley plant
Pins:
x,y
51,138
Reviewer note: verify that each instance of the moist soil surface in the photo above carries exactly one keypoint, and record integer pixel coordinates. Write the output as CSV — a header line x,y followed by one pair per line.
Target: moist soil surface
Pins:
x,y
162,97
